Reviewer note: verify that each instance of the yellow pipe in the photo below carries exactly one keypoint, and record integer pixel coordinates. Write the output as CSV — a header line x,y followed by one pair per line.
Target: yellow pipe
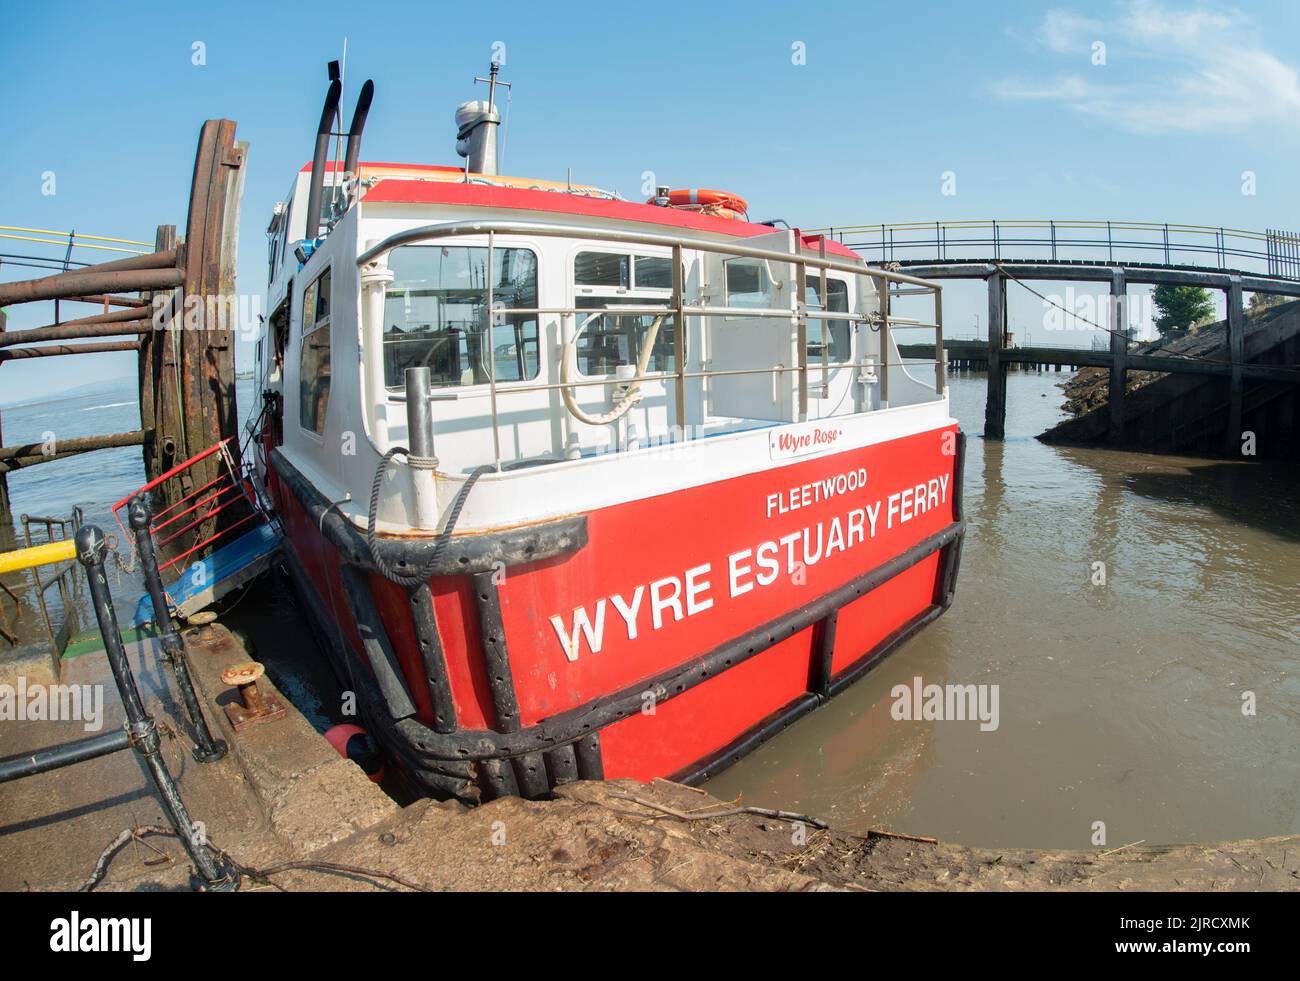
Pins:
x,y
75,235
47,554
79,245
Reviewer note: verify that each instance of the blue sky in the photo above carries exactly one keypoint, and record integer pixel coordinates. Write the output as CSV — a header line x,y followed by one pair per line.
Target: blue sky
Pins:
x,y
891,97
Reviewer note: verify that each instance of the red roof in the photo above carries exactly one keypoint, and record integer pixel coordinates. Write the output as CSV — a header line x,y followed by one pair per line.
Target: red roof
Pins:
x,y
396,191
335,165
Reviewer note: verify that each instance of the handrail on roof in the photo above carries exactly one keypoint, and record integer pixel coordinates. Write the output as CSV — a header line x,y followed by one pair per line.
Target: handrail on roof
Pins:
x,y
732,248
1042,223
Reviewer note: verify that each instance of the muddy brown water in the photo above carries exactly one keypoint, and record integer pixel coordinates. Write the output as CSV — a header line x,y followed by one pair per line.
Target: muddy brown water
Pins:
x,y
1120,703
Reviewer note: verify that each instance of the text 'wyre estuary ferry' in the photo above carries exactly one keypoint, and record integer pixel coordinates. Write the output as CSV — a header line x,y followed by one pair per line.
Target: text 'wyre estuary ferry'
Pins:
x,y
581,488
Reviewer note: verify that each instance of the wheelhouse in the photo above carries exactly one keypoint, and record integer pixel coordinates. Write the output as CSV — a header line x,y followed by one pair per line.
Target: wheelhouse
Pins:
x,y
536,312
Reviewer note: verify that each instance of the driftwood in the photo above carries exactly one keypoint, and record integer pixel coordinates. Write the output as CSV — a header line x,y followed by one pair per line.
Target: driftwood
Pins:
x,y
257,875
764,812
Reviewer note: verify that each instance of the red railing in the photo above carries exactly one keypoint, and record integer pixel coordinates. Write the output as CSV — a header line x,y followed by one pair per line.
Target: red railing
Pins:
x,y
200,505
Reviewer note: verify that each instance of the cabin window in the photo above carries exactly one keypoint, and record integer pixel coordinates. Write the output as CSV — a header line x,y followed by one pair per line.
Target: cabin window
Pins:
x,y
653,272
748,284
614,339
279,337
642,272
314,376
607,279
435,315
837,331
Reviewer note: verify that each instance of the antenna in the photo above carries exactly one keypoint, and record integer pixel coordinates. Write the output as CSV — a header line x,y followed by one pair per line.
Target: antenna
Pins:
x,y
476,125
492,82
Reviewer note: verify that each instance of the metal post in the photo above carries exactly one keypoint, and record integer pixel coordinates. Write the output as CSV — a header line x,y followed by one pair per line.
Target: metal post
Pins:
x,y
940,355
884,342
679,336
212,874
1237,355
206,748
491,354
825,326
801,331
1118,354
36,576
995,405
419,412
419,440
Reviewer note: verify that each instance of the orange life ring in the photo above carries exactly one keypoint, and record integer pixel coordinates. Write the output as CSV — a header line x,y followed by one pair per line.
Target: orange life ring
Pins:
x,y
705,198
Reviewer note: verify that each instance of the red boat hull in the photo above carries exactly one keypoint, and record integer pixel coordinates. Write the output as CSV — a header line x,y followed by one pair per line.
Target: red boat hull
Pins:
x,y
686,628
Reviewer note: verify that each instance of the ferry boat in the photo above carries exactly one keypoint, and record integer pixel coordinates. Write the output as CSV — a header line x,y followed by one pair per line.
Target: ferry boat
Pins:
x,y
575,487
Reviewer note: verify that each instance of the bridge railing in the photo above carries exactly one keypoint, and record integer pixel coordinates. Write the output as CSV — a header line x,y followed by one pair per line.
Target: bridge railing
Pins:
x,y
1272,252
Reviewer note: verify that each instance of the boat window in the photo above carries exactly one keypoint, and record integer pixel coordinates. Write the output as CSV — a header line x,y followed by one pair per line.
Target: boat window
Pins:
x,y
435,316
602,269
314,376
653,273
642,272
748,284
837,330
615,279
614,339
279,335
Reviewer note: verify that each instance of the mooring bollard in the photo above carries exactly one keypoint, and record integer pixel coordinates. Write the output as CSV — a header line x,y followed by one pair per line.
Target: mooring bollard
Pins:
x,y
206,749
213,873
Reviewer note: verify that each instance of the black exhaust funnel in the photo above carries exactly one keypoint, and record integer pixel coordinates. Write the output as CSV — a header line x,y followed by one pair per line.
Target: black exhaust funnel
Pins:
x,y
318,161
358,125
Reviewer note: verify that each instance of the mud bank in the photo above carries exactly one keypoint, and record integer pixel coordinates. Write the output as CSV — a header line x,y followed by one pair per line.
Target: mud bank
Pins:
x,y
295,816
594,837
1189,412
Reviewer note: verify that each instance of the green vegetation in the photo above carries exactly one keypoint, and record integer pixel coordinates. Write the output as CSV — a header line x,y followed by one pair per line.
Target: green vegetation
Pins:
x,y
1262,301
1179,309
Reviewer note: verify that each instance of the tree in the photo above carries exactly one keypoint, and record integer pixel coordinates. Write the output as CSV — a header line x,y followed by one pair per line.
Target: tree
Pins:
x,y
1262,301
1180,308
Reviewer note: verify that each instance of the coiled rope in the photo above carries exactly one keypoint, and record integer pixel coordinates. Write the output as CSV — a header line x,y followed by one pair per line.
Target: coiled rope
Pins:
x,y
411,580
632,393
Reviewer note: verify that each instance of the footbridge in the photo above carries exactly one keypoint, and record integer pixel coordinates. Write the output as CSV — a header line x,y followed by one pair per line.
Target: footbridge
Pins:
x,y
1117,253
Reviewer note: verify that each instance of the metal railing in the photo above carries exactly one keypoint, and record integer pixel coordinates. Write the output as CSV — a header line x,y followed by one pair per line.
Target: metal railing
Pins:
x,y
1272,252
73,239
63,575
677,306
212,871
179,528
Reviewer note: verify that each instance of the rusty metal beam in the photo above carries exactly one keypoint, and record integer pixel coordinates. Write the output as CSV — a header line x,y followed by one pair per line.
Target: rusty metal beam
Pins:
x,y
89,280
80,444
103,300
130,321
58,350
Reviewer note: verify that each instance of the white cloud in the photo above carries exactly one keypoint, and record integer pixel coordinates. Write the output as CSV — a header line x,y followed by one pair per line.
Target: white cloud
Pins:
x,y
1166,71
1068,33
